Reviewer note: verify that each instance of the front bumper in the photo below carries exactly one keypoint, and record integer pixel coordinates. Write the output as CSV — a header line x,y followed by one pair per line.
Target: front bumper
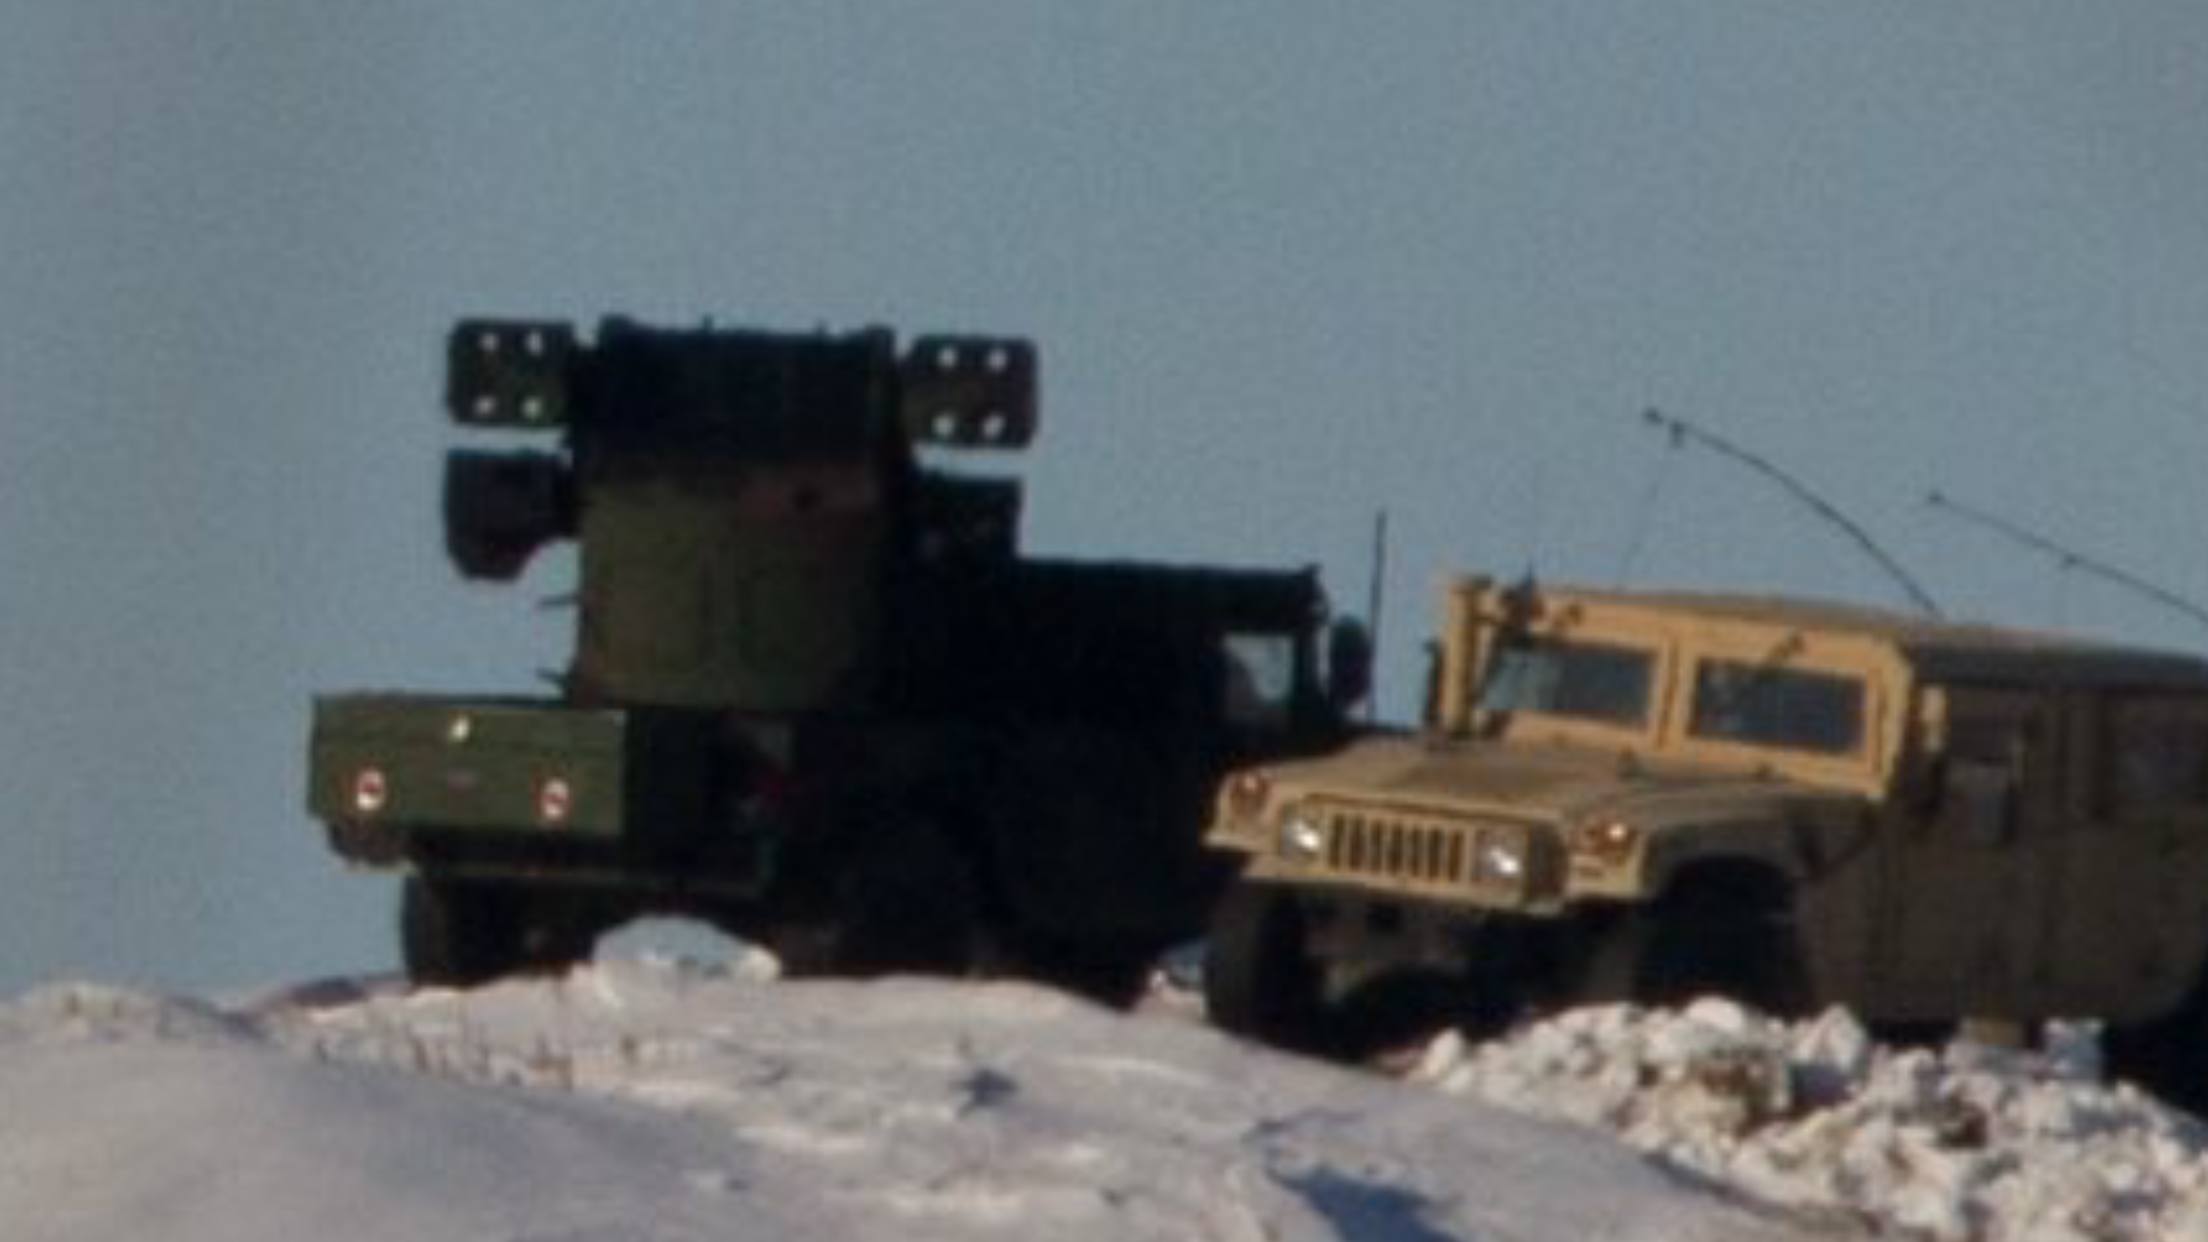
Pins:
x,y
1461,861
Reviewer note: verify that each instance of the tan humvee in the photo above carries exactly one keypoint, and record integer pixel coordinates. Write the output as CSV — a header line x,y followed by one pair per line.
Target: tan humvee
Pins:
x,y
1650,796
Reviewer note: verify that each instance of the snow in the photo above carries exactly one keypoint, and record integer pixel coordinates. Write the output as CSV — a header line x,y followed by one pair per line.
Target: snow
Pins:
x,y
1966,1142
658,1100
666,1102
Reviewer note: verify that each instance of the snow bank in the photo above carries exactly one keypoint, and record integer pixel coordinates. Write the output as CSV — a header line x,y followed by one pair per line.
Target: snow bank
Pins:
x,y
124,1116
1965,1143
662,1103
658,1102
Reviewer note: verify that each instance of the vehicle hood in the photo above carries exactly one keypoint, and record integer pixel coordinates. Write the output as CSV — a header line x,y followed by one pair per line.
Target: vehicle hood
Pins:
x,y
1529,782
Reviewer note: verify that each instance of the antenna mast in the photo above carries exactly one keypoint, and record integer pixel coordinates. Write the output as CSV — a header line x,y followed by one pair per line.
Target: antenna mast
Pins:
x,y
1681,432
2067,558
1376,594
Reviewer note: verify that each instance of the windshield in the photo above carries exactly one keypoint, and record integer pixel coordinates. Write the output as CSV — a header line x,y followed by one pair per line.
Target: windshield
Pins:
x,y
1586,681
1789,709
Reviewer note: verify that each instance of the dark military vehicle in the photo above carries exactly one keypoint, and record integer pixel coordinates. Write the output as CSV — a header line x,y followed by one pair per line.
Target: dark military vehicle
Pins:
x,y
1648,796
818,697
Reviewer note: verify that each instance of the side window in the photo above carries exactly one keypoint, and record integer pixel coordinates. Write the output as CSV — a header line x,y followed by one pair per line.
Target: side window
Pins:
x,y
1261,679
1586,681
1793,709
2158,757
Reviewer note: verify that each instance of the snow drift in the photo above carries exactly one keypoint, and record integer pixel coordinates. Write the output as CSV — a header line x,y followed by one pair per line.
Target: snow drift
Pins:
x,y
665,1104
662,1102
1966,1142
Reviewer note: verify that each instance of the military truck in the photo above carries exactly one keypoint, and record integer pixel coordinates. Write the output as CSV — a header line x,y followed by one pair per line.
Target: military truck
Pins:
x,y
1794,803
818,696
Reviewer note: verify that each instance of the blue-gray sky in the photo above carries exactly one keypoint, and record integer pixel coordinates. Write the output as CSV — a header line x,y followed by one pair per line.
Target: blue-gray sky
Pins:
x,y
1288,263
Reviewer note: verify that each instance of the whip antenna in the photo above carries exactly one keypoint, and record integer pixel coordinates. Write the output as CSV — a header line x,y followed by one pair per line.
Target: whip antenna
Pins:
x,y
1376,593
1683,432
2067,559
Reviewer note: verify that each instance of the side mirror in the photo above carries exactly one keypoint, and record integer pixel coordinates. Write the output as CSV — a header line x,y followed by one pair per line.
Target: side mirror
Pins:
x,y
1348,664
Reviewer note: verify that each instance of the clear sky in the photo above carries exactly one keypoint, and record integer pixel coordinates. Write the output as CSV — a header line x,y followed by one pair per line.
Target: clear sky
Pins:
x,y
1288,263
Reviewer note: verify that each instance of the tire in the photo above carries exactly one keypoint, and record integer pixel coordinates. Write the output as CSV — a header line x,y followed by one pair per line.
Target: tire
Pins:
x,y
1721,935
2167,1056
1112,974
1261,980
456,934
907,905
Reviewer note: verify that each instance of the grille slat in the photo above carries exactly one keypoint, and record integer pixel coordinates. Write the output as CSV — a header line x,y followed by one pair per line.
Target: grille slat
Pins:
x,y
1397,848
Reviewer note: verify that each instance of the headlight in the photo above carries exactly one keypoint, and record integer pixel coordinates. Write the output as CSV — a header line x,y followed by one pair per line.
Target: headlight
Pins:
x,y
1301,840
1499,860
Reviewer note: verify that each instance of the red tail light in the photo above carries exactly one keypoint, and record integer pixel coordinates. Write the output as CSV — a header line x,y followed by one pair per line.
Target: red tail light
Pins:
x,y
370,791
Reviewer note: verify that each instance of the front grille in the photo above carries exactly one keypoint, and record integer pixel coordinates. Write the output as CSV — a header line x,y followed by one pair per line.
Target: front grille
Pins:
x,y
1397,847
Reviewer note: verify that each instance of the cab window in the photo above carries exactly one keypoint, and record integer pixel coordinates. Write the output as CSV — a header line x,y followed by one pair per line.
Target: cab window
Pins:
x,y
1260,678
1781,708
1585,681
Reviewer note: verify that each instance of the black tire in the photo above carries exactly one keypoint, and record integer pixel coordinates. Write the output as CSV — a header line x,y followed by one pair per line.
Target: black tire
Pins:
x,y
459,935
1930,1034
456,934
1721,935
1401,1008
1110,973
2167,1056
1261,980
907,905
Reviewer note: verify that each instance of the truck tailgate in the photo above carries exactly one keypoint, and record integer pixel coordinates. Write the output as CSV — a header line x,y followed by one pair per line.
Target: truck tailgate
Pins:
x,y
503,766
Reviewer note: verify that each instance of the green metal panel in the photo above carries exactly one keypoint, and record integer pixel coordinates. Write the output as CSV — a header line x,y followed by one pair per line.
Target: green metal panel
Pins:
x,y
457,764
753,592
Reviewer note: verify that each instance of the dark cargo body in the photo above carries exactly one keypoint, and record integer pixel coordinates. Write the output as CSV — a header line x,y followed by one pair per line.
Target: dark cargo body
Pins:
x,y
818,696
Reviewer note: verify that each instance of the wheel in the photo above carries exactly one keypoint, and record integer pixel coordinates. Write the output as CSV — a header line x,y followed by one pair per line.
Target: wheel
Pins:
x,y
1403,1007
456,934
1719,935
1112,973
2167,1055
1261,980
1927,1033
906,905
